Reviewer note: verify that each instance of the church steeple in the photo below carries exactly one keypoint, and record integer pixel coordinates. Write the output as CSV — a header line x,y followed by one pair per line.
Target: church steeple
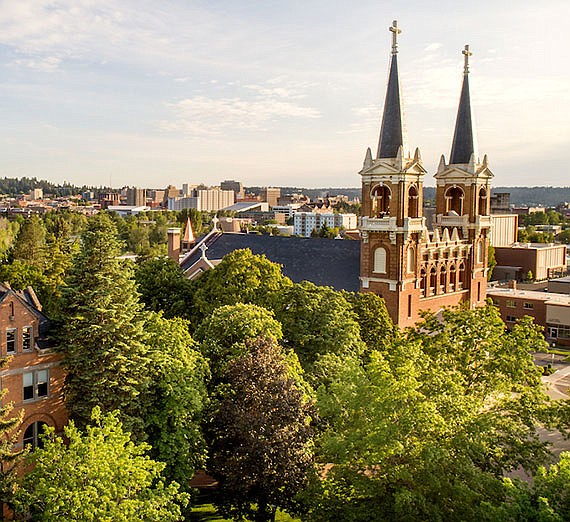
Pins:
x,y
392,132
464,139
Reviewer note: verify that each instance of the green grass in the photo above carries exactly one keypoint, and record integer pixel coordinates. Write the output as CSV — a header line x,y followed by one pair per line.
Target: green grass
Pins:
x,y
208,513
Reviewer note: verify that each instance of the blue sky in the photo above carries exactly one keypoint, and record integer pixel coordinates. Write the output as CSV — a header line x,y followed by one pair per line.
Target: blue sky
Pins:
x,y
273,92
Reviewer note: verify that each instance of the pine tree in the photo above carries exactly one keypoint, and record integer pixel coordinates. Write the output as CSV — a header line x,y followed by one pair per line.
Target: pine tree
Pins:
x,y
8,425
102,335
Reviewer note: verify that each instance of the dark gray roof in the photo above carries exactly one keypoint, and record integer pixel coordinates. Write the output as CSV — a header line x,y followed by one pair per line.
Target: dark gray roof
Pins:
x,y
464,137
392,130
325,262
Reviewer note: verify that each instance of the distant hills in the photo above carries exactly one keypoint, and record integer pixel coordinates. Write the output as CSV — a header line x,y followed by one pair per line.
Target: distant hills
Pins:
x,y
524,196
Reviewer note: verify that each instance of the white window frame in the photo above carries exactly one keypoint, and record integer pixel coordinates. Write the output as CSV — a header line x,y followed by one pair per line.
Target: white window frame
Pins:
x,y
36,380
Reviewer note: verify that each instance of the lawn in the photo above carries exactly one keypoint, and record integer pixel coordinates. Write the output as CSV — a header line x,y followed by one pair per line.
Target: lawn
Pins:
x,y
207,512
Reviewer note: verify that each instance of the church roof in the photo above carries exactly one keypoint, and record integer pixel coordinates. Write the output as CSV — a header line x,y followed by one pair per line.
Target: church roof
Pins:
x,y
464,138
324,262
392,132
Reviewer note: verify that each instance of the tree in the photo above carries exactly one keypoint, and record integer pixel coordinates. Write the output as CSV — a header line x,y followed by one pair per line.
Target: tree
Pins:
x,y
102,334
8,456
177,397
260,436
317,320
491,261
241,277
376,328
225,334
30,243
163,287
426,429
100,475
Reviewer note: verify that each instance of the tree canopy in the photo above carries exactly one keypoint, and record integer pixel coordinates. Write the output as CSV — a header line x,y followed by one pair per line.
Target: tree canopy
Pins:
x,y
96,476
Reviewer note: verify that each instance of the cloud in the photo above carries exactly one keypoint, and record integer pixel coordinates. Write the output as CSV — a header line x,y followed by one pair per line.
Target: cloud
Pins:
x,y
433,47
49,64
204,116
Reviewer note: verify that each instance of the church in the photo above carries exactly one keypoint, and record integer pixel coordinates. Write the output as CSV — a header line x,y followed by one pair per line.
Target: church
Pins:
x,y
411,268
397,257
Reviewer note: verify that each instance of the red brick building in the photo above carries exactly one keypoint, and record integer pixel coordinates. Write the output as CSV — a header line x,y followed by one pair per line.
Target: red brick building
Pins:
x,y
411,268
33,378
550,310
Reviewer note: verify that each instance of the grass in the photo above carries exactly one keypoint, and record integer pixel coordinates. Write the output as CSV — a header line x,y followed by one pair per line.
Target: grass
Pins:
x,y
208,513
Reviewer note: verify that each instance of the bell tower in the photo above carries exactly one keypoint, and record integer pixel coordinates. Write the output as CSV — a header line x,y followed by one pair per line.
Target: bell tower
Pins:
x,y
392,222
463,194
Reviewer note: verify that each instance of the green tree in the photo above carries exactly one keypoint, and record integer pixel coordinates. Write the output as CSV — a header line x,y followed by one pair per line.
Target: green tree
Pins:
x,y
30,243
491,261
241,277
376,328
177,397
427,429
260,436
97,476
225,334
8,425
317,320
163,287
102,336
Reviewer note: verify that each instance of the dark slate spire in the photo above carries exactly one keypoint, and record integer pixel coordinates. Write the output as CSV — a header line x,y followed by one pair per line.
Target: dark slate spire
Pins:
x,y
392,133
464,138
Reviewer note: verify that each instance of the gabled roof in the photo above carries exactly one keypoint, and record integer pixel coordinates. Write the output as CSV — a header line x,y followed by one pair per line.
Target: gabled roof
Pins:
x,y
29,299
324,262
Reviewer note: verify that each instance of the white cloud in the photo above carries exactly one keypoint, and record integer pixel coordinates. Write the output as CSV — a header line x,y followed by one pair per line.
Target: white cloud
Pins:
x,y
204,116
48,64
433,47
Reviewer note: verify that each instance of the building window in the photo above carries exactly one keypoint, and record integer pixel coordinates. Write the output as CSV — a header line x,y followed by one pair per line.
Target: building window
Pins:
x,y
511,303
27,338
411,259
380,260
32,435
511,319
36,384
528,306
11,340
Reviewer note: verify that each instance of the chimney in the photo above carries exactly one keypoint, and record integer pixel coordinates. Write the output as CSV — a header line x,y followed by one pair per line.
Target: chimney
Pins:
x,y
174,244
513,284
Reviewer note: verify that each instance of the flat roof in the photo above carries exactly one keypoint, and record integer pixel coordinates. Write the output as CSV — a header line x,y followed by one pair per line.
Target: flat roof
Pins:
x,y
548,297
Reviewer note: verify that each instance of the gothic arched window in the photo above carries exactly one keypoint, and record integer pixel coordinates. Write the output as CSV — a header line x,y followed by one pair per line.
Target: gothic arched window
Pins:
x,y
461,277
432,281
454,200
423,282
443,279
380,260
380,196
411,259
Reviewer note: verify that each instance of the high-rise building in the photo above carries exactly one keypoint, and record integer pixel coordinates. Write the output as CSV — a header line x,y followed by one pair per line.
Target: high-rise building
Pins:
x,y
411,268
271,195
236,186
136,197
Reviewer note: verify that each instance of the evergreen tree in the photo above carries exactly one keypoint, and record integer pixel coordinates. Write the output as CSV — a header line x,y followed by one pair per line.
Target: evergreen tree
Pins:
x,y
7,438
102,334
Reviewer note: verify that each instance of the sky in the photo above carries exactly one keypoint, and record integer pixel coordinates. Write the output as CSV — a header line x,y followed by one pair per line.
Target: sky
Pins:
x,y
283,93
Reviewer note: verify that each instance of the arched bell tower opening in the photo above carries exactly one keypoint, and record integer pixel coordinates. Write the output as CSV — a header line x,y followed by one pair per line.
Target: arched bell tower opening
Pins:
x,y
380,196
482,204
454,197
413,202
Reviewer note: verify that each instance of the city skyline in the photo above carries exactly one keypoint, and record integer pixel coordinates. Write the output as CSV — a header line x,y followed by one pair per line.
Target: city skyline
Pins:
x,y
147,94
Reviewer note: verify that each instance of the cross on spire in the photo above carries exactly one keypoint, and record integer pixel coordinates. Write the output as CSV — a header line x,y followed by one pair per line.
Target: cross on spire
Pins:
x,y
467,53
395,30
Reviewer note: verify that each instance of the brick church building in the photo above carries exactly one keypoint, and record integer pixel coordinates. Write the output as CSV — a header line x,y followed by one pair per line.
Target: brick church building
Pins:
x,y
411,268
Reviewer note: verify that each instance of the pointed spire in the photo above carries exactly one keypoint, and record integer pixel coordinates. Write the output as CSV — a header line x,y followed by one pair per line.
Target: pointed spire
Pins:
x,y
368,158
189,233
392,132
464,138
